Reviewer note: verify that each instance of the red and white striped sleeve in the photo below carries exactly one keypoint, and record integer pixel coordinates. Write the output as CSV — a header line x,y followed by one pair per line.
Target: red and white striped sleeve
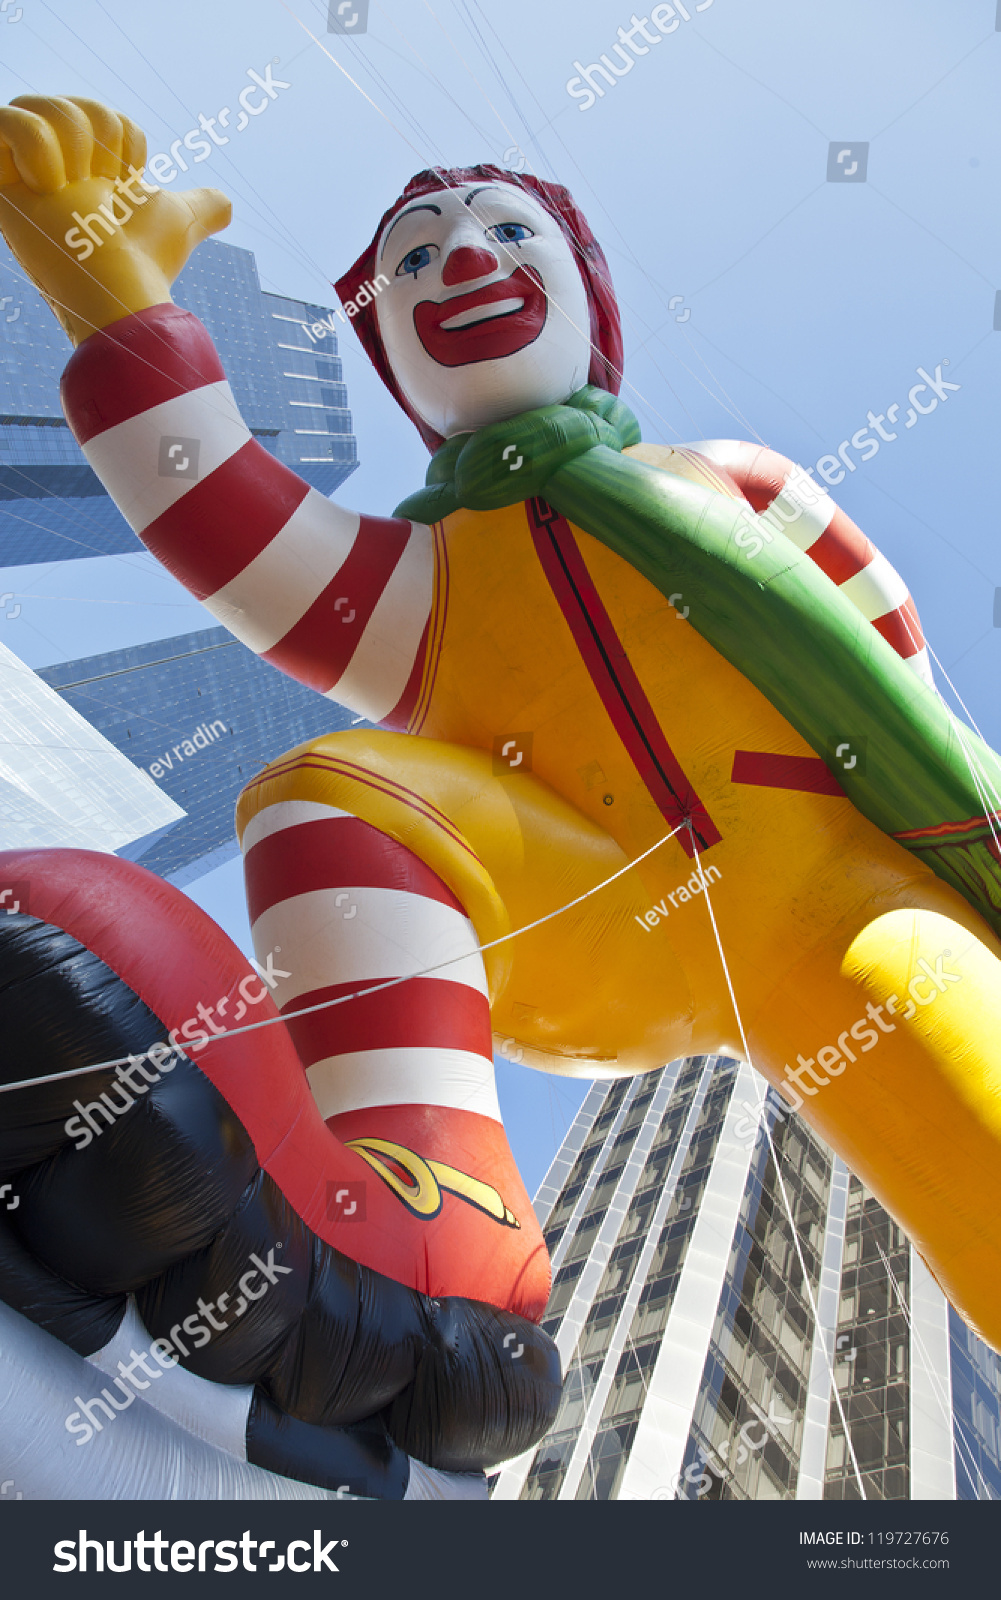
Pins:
x,y
338,601
807,515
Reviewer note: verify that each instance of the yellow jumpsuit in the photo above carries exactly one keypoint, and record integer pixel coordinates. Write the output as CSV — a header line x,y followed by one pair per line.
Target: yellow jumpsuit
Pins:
x,y
821,919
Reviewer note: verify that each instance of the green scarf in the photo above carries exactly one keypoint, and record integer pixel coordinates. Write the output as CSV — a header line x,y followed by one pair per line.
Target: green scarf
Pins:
x,y
775,617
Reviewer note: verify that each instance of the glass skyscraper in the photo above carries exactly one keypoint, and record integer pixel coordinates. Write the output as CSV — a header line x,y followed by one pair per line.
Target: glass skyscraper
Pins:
x,y
714,1349
200,714
289,388
62,783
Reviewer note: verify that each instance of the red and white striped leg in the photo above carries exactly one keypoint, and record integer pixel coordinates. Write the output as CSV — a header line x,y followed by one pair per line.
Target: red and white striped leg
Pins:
x,y
403,1074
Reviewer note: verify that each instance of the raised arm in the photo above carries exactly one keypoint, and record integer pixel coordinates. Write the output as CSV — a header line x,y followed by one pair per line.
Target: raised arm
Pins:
x,y
338,601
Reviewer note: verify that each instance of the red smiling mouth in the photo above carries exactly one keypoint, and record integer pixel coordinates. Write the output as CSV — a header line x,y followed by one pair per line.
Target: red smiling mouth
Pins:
x,y
484,324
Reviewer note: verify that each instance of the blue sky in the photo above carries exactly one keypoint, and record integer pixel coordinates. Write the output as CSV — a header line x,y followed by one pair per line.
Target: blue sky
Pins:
x,y
804,303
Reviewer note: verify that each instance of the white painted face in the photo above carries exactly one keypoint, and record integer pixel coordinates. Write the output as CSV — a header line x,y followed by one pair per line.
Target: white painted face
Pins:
x,y
486,314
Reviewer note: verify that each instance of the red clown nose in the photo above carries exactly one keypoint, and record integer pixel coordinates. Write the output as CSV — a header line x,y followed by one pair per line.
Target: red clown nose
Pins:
x,y
606,331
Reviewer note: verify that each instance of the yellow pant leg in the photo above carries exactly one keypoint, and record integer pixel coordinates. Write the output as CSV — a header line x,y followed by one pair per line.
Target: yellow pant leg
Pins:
x,y
910,1098
899,1024
586,992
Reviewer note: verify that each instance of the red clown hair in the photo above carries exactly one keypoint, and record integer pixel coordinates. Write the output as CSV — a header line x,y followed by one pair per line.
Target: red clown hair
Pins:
x,y
606,330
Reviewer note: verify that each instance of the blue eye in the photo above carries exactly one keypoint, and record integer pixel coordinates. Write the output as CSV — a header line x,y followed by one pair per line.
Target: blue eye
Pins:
x,y
510,233
416,259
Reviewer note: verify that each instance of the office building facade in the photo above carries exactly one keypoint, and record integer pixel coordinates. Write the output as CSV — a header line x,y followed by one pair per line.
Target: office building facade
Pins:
x,y
200,715
715,1349
196,715
62,784
289,387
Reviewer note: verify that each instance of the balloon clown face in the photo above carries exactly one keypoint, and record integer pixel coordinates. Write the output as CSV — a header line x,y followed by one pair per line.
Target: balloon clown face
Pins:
x,y
499,300
486,315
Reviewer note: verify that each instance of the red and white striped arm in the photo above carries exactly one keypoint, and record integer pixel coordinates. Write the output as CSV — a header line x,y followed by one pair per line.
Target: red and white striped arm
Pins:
x,y
806,514
339,601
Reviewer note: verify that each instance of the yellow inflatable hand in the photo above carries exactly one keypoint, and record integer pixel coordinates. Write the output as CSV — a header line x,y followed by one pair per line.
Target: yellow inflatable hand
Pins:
x,y
93,236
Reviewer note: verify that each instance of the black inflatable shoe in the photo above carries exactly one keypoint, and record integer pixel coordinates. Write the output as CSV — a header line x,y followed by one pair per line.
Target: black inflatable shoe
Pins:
x,y
185,1199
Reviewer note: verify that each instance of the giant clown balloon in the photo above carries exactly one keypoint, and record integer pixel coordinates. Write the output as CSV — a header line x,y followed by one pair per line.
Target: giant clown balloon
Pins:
x,y
657,767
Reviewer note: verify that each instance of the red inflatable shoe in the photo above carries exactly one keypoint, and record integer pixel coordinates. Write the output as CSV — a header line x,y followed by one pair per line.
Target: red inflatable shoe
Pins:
x,y
193,1169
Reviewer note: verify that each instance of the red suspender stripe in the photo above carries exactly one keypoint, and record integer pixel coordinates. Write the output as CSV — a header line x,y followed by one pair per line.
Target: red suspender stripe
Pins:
x,y
410,714
612,674
807,774
398,720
